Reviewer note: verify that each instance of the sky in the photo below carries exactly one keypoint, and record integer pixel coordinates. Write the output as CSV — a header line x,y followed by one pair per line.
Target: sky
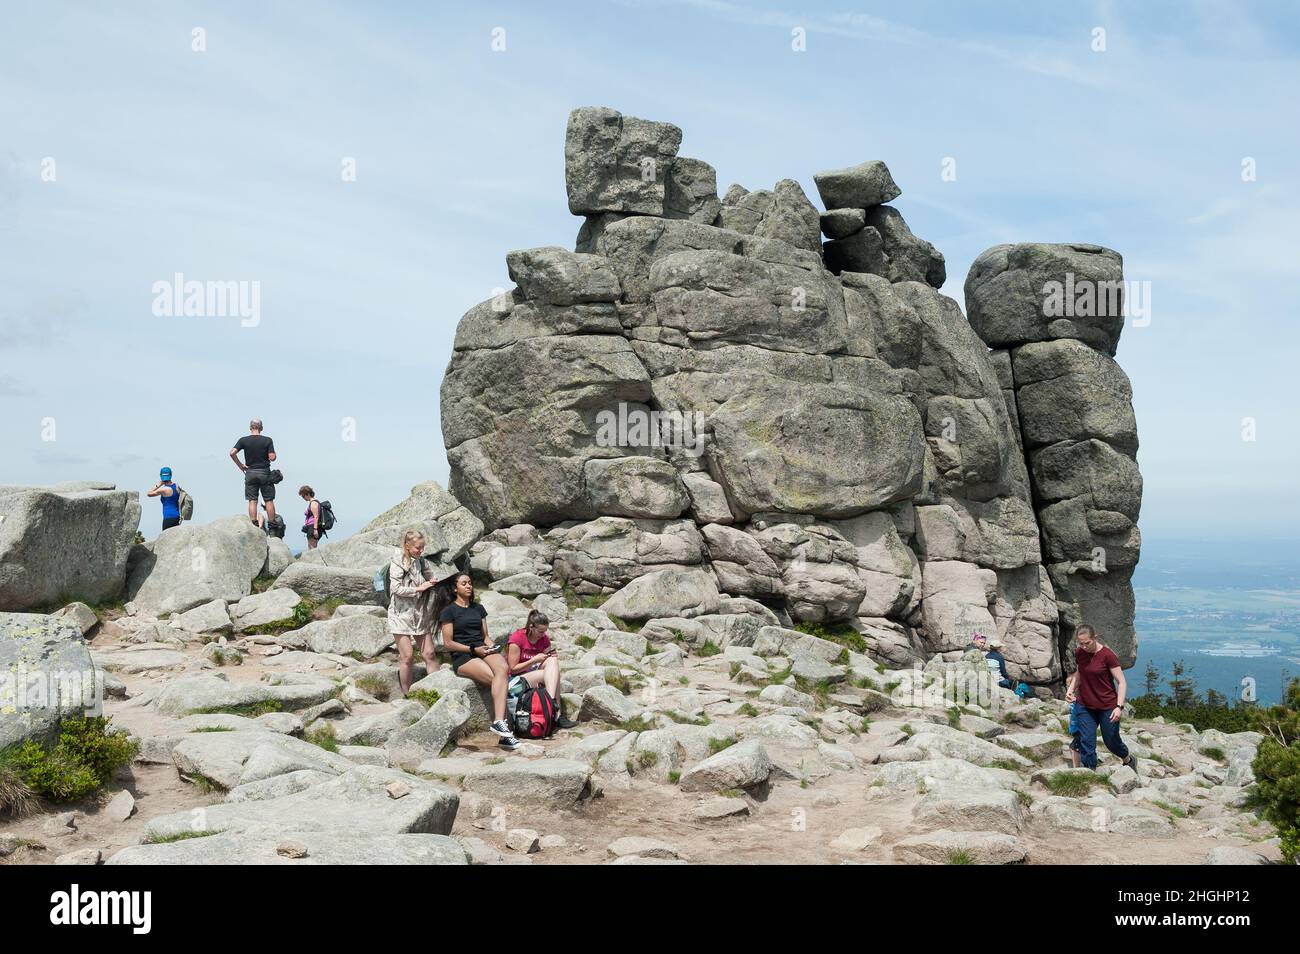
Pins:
x,y
142,140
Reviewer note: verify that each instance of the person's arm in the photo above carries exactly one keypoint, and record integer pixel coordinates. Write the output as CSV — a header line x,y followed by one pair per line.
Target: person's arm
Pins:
x,y
1069,686
314,507
234,455
513,653
450,644
396,586
270,451
487,640
157,489
1121,689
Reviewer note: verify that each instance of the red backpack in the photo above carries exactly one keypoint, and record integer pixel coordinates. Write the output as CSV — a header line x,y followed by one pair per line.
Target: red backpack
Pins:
x,y
535,714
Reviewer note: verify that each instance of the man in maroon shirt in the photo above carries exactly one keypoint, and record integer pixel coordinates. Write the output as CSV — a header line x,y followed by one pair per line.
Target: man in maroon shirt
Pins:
x,y
1098,685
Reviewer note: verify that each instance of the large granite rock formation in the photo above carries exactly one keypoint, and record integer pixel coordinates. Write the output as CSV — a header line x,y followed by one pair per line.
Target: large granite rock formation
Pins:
x,y
706,389
1055,313
67,541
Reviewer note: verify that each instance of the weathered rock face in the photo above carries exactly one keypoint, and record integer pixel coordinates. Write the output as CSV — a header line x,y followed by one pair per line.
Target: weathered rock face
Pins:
x,y
705,405
1057,310
193,564
65,541
46,673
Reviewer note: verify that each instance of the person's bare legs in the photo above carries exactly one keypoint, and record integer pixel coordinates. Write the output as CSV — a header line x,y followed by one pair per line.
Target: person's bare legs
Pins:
x,y
270,509
490,671
548,674
428,649
252,510
404,659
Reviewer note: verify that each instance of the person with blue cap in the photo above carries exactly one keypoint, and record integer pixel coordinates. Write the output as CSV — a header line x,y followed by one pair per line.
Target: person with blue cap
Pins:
x,y
171,498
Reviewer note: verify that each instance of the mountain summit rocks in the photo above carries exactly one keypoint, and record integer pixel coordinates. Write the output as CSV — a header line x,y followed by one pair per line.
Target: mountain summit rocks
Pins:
x,y
830,439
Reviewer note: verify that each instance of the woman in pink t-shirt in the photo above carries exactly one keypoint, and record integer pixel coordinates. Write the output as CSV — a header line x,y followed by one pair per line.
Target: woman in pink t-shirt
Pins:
x,y
530,655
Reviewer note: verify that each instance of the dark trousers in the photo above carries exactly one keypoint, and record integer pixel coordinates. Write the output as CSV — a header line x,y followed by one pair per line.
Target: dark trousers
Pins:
x,y
169,522
1090,720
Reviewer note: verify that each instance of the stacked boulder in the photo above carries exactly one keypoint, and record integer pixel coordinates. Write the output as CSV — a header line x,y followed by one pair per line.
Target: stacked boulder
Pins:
x,y
706,409
1054,314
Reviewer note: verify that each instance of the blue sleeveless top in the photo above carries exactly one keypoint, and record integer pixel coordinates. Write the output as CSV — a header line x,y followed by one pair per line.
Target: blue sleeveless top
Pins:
x,y
172,504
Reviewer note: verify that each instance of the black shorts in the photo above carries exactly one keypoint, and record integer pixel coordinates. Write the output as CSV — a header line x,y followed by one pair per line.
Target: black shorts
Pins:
x,y
459,659
256,481
169,522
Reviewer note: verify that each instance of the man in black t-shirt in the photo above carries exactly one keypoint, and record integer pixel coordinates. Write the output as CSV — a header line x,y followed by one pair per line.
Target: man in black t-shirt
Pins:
x,y
259,452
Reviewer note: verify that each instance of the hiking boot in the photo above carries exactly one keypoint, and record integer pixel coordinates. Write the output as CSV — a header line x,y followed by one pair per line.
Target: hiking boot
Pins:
x,y
1132,763
502,728
563,723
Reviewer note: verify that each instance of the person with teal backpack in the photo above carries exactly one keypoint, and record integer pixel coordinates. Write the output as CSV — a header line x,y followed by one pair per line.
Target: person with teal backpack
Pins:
x,y
176,503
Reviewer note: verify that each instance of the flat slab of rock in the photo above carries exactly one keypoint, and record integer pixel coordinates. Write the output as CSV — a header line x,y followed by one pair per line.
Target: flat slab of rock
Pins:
x,y
970,809
961,847
642,847
559,783
276,605
206,692
713,809
356,801
322,848
361,636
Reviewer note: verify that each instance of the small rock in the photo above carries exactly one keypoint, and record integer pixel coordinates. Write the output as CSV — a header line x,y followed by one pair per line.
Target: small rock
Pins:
x,y
86,856
554,841
720,807
523,840
64,823
857,839
291,849
641,847
397,789
121,807
825,800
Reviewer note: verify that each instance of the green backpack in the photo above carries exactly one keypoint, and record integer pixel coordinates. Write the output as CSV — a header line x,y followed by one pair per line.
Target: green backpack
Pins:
x,y
185,503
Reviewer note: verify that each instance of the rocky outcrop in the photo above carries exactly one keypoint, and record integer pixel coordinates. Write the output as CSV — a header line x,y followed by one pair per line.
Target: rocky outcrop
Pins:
x,y
344,570
706,403
64,541
194,564
46,674
1055,313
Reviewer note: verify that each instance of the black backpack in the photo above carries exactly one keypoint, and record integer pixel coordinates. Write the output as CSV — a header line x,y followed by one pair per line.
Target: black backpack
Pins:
x,y
275,526
326,516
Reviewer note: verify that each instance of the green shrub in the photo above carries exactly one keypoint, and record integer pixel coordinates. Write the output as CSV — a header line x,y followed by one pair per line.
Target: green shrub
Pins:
x,y
717,745
1277,792
841,633
82,760
960,858
1213,752
747,709
322,734
585,641
1073,784
373,684
710,648
426,697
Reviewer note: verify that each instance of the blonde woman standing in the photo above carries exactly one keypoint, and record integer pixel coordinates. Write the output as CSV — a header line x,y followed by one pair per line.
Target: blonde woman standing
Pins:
x,y
410,617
